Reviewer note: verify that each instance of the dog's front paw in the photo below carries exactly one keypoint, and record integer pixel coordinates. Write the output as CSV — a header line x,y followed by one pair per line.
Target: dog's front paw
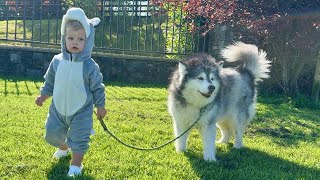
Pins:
x,y
238,145
209,158
180,149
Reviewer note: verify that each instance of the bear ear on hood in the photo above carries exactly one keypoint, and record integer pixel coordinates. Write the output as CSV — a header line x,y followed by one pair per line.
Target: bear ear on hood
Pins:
x,y
95,21
78,14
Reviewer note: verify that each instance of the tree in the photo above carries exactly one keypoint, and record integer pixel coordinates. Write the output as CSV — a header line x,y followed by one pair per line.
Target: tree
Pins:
x,y
316,82
289,30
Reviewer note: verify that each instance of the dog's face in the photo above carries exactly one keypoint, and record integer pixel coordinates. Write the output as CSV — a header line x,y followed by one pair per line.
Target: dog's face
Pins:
x,y
201,81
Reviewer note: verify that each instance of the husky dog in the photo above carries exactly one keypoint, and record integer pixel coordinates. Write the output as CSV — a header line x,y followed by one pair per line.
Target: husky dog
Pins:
x,y
226,97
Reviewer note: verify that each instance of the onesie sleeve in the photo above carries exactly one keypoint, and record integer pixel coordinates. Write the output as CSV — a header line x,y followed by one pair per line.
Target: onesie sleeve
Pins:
x,y
97,87
47,88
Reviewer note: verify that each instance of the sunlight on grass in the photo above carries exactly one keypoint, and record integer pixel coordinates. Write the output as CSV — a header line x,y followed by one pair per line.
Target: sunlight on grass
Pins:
x,y
281,143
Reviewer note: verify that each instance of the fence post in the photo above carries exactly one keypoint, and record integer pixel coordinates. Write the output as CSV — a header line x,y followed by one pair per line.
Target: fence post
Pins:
x,y
316,82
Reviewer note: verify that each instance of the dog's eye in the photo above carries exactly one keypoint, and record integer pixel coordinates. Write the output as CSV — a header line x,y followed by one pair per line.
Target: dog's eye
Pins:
x,y
200,78
211,79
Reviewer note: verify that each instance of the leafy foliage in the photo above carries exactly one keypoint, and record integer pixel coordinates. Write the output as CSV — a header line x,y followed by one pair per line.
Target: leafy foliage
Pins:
x,y
268,19
288,30
204,15
262,17
178,38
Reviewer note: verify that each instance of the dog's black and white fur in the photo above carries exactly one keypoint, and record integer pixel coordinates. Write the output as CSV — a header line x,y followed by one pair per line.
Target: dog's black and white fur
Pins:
x,y
228,95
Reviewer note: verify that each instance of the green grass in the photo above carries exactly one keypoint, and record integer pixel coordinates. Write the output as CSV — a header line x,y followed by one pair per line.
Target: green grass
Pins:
x,y
281,143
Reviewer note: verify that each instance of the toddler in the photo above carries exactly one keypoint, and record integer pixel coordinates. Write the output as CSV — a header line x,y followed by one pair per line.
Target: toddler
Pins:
x,y
75,83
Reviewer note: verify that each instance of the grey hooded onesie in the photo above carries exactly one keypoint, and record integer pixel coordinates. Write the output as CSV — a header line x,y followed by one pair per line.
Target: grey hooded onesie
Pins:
x,y
76,85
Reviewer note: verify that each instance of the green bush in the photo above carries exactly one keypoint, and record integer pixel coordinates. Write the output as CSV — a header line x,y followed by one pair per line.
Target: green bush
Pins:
x,y
178,37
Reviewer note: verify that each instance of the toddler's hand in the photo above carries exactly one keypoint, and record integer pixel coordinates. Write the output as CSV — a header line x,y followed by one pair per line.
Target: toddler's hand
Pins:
x,y
101,112
40,100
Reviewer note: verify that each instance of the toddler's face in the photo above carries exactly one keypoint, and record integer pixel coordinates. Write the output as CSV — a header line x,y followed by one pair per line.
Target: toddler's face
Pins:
x,y
75,40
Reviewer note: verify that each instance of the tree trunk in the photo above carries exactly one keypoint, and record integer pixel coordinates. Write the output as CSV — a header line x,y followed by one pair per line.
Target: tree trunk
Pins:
x,y
293,88
316,82
285,72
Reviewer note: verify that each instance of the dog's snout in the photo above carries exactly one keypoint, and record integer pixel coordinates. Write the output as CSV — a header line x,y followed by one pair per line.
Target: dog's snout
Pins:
x,y
211,88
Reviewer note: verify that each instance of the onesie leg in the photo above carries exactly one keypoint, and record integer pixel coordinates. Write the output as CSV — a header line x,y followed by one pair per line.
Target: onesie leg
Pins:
x,y
56,128
79,133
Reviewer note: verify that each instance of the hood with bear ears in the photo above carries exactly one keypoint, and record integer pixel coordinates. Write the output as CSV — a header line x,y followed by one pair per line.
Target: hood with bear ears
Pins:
x,y
89,27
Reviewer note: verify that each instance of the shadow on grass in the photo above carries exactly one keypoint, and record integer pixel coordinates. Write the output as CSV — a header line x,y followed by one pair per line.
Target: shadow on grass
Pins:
x,y
11,84
59,171
249,164
17,78
285,124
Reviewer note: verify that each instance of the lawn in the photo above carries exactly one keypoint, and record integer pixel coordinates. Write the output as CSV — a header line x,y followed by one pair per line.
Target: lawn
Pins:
x,y
281,143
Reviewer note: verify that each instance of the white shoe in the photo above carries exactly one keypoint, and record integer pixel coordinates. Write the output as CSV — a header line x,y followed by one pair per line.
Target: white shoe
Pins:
x,y
75,170
61,153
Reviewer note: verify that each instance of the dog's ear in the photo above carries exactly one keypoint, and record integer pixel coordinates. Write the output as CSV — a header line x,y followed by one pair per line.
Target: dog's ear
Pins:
x,y
219,65
182,68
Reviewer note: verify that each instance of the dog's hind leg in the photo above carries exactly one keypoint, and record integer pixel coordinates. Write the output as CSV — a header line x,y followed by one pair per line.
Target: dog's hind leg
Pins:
x,y
238,134
180,143
241,125
238,139
226,132
208,134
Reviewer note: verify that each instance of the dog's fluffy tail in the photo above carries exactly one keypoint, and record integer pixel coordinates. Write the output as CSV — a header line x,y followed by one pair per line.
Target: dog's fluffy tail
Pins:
x,y
253,59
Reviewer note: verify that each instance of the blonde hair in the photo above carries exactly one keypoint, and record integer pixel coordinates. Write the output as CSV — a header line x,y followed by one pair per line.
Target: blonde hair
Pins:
x,y
74,25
